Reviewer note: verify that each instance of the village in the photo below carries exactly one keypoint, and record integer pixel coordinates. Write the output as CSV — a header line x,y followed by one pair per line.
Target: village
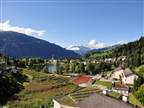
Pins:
x,y
119,81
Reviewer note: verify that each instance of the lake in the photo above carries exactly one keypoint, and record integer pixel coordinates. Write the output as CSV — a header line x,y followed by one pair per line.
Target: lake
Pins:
x,y
52,68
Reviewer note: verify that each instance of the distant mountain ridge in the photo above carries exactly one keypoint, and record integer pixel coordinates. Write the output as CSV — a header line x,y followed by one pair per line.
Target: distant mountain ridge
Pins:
x,y
80,49
18,45
102,49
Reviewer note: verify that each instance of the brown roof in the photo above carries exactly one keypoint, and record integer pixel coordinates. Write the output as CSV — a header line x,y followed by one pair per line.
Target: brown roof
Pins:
x,y
116,69
128,71
98,100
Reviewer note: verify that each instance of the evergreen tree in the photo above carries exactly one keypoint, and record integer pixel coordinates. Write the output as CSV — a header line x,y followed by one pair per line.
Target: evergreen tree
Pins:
x,y
45,69
136,85
140,94
82,68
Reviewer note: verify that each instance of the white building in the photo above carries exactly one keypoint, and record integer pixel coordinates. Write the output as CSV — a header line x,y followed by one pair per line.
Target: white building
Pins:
x,y
127,74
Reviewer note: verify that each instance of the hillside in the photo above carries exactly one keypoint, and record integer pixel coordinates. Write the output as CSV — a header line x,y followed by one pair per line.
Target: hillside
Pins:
x,y
133,50
18,45
102,49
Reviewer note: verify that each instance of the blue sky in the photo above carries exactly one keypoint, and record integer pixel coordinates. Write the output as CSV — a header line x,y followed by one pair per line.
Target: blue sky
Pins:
x,y
93,23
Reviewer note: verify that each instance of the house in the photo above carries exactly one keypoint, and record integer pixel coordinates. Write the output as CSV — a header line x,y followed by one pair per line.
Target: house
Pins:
x,y
127,75
72,60
124,58
120,88
97,100
14,71
94,61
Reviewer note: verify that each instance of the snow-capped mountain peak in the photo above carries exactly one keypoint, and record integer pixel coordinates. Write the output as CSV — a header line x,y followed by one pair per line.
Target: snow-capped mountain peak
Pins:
x,y
80,49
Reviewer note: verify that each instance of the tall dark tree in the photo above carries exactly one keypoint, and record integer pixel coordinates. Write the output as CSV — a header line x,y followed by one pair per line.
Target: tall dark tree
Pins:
x,y
67,67
82,68
73,66
136,85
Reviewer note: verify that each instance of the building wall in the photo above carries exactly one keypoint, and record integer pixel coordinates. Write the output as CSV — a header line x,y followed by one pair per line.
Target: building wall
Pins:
x,y
117,73
129,79
56,104
122,91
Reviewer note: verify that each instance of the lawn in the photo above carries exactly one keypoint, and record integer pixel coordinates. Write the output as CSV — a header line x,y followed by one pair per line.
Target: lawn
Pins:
x,y
104,83
115,94
40,90
133,100
108,72
66,100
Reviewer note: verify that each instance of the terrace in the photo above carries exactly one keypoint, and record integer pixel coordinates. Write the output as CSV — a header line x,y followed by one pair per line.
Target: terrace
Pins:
x,y
73,98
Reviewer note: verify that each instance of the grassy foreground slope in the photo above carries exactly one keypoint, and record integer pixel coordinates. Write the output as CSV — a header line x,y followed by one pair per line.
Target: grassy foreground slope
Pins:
x,y
40,91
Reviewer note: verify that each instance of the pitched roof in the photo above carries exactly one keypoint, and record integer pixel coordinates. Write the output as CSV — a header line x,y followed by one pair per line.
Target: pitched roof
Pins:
x,y
116,69
98,100
128,71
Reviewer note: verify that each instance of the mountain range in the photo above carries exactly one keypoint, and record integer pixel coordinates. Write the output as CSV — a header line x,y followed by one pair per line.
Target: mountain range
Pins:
x,y
80,49
18,45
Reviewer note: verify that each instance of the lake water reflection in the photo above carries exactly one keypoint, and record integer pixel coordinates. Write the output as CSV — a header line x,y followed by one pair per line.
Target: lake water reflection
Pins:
x,y
52,68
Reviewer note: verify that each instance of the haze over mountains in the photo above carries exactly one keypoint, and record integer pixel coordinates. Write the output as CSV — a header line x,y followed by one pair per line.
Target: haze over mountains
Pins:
x,y
18,45
80,49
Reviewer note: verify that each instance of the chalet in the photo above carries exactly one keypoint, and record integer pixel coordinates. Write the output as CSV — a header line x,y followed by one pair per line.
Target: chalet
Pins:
x,y
127,74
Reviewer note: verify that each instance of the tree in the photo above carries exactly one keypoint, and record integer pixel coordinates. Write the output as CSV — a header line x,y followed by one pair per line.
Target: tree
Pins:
x,y
96,69
142,59
141,72
45,69
140,94
90,68
120,79
30,64
60,70
136,85
77,69
67,67
82,68
73,66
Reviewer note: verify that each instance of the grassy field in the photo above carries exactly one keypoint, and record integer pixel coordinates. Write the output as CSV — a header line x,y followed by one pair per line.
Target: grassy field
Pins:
x,y
114,94
104,83
41,89
66,100
133,100
77,96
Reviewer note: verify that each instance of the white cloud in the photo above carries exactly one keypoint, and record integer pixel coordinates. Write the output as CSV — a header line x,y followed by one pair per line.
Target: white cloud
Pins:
x,y
97,45
122,42
28,31
73,47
